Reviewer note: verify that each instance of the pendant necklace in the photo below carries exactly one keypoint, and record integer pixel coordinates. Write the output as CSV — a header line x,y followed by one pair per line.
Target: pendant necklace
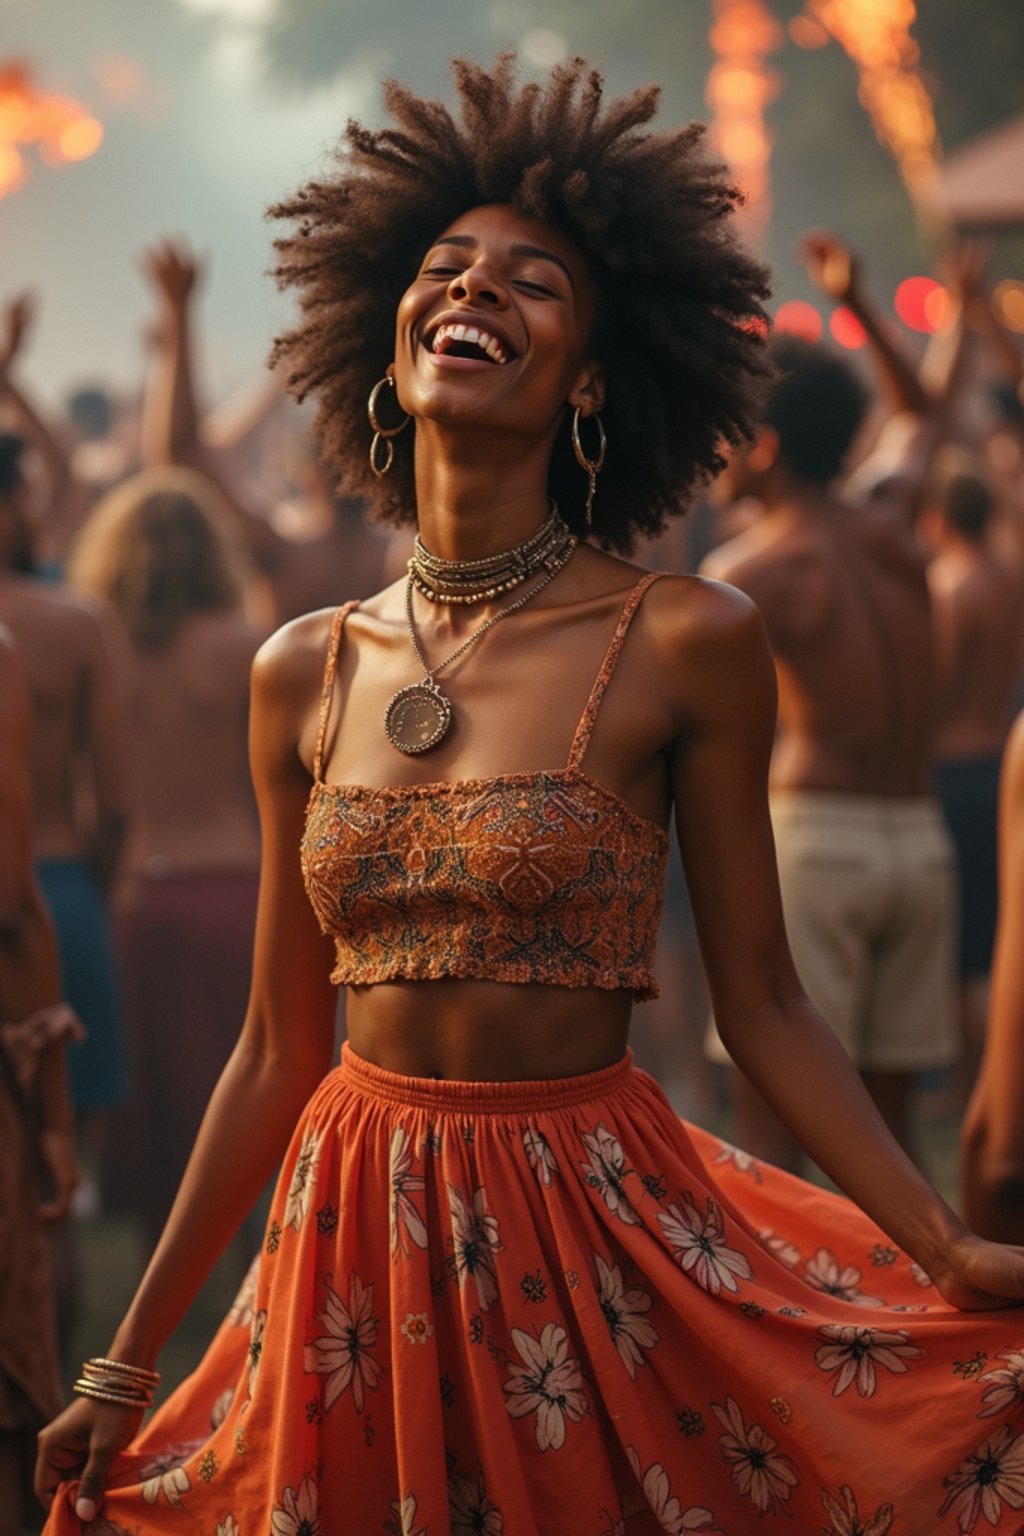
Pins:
x,y
420,715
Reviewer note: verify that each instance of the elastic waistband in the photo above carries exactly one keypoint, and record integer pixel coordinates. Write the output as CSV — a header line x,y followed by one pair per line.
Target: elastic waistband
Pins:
x,y
543,1093
822,806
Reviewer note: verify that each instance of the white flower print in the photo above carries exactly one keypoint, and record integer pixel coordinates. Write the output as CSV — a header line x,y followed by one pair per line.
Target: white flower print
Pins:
x,y
845,1520
665,1507
700,1247
624,1313
227,1527
342,1352
298,1513
475,1239
539,1155
783,1249
824,1274
407,1227
1006,1385
920,1276
404,1523
417,1328
471,1511
991,1476
852,1353
760,1471
741,1161
219,1411
548,1383
300,1191
256,1331
171,1484
605,1170
241,1310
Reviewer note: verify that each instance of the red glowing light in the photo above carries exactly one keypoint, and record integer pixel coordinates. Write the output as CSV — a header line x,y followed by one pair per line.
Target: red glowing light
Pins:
x,y
798,318
921,303
846,329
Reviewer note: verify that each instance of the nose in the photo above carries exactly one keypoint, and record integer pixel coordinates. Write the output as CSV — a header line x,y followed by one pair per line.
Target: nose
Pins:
x,y
477,284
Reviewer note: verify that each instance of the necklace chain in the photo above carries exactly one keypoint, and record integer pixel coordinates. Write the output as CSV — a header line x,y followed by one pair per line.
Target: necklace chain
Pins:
x,y
475,581
554,565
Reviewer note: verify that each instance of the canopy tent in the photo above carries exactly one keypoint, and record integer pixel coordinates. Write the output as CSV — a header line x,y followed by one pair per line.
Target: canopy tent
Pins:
x,y
981,185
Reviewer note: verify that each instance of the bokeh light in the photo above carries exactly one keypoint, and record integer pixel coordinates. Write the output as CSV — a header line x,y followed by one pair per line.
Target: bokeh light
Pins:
x,y
1008,303
918,303
798,318
846,330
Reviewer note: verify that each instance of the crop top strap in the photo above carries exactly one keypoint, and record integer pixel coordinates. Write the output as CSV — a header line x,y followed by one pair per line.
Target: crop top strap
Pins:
x,y
331,667
584,730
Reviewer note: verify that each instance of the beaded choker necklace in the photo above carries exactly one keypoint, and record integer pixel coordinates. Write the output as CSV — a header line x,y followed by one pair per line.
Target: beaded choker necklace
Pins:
x,y
479,581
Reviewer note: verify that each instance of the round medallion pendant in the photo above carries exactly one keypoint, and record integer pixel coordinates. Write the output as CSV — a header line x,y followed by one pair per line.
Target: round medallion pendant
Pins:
x,y
417,717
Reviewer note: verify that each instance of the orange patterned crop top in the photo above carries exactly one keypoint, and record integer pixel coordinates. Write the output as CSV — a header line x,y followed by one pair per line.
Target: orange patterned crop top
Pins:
x,y
524,877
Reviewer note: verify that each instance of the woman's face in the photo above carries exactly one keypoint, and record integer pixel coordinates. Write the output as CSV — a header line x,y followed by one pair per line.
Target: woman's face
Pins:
x,y
494,330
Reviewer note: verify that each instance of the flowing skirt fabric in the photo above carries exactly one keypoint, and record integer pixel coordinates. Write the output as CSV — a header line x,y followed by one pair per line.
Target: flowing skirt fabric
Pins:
x,y
553,1309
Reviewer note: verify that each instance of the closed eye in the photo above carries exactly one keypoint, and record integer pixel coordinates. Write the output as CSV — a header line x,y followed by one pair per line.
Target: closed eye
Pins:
x,y
528,287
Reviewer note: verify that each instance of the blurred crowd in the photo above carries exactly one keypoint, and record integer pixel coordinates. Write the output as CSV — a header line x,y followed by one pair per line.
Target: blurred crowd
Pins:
x,y
147,545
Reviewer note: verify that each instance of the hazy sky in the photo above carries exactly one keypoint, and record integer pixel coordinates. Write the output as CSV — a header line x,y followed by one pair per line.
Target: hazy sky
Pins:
x,y
195,145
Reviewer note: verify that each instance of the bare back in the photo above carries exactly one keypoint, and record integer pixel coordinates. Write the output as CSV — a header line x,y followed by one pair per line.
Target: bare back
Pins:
x,y
189,710
979,618
845,600
76,739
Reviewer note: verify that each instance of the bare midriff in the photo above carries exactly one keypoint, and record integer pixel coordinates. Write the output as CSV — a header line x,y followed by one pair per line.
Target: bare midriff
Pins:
x,y
487,1031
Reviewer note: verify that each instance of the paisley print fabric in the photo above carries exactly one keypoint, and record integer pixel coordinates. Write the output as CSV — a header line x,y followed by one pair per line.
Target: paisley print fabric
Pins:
x,y
526,877
553,1309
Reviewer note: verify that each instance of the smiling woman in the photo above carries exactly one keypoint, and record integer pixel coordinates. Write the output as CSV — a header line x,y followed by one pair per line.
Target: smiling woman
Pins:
x,y
503,1289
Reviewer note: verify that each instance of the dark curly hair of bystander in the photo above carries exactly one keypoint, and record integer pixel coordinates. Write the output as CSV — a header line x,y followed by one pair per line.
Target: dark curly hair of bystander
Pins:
x,y
679,325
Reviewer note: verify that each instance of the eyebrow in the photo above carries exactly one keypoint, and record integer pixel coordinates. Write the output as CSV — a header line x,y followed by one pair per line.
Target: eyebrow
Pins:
x,y
515,250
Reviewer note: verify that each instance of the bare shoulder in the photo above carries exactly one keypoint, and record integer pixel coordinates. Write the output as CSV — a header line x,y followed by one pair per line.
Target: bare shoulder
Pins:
x,y
290,664
699,619
1013,770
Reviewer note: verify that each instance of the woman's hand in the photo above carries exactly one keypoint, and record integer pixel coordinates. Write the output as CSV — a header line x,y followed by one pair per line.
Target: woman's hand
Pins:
x,y
974,1274
82,1442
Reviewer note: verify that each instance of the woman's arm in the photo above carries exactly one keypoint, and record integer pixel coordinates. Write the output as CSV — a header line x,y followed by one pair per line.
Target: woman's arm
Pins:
x,y
992,1142
726,731
282,1053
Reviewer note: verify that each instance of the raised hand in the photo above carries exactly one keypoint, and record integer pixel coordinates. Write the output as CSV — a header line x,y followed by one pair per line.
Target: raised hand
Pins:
x,y
830,264
15,320
173,271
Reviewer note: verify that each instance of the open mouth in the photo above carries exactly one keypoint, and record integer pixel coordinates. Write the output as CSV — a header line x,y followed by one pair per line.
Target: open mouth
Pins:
x,y
473,342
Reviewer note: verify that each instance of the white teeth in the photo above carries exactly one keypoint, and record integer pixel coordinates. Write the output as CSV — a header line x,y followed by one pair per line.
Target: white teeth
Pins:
x,y
474,336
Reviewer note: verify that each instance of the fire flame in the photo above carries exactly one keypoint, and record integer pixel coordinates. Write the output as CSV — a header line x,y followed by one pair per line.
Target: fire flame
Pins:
x,y
739,88
61,128
877,36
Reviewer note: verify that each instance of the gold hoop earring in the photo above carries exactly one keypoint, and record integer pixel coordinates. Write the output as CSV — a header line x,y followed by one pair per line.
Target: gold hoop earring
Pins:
x,y
592,467
382,434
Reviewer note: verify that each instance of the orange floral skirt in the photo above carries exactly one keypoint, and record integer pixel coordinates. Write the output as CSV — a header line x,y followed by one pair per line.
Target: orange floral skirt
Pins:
x,y
552,1309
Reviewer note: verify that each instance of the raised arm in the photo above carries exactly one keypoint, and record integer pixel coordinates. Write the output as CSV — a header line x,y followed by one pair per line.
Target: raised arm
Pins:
x,y
834,268
283,1051
171,431
992,1142
726,730
15,322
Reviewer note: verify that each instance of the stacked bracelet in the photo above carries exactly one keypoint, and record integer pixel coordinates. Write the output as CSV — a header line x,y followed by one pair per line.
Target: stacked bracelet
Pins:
x,y
113,1381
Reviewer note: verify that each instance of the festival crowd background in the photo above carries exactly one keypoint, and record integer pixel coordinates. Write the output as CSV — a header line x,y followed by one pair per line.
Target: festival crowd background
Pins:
x,y
139,146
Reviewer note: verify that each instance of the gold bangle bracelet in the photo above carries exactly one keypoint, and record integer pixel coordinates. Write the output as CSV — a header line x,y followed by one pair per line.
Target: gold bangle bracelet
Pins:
x,y
85,1389
111,1383
123,1368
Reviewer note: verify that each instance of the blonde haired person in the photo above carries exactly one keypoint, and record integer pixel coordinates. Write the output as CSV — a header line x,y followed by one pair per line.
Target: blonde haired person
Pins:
x,y
158,550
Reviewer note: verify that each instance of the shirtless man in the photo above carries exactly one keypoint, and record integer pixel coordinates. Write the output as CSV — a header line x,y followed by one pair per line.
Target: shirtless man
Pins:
x,y
978,603
67,646
865,860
